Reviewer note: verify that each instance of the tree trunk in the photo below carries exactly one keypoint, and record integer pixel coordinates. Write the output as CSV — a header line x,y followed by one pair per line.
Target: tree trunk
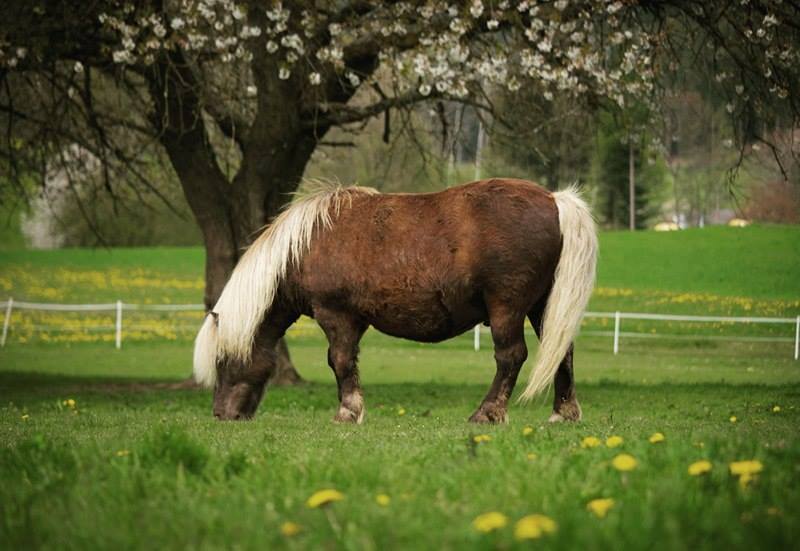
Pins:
x,y
229,214
285,374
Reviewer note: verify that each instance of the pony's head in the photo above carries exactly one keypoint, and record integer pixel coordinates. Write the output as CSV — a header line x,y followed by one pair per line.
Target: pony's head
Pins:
x,y
238,383
238,390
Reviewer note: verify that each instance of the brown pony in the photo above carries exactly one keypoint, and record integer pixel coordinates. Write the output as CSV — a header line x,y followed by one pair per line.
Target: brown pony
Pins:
x,y
425,267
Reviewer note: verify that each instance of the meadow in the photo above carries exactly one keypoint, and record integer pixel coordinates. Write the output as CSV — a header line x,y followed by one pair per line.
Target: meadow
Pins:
x,y
104,448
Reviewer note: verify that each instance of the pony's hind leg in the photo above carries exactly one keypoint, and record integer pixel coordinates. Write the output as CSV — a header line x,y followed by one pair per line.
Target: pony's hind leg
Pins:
x,y
510,353
343,333
565,401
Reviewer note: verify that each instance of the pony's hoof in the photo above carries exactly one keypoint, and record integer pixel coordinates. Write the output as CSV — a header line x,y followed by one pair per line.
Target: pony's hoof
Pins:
x,y
489,416
568,411
345,415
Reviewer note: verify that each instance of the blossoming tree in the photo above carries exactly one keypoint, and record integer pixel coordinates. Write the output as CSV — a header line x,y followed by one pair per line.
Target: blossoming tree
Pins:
x,y
201,82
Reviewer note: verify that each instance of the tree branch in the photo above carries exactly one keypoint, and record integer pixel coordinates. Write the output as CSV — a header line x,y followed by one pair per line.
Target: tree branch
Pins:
x,y
339,114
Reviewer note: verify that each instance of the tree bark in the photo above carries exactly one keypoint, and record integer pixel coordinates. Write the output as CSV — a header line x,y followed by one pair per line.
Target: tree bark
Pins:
x,y
285,374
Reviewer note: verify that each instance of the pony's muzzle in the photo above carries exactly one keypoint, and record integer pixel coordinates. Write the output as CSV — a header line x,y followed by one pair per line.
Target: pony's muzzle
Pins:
x,y
237,402
236,416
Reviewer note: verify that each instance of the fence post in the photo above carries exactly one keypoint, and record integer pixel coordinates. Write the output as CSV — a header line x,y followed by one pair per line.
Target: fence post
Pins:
x,y
477,337
7,321
119,324
616,332
796,339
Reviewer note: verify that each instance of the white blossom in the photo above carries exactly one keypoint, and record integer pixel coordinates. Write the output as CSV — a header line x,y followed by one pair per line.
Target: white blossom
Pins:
x,y
284,73
476,9
353,79
314,78
544,45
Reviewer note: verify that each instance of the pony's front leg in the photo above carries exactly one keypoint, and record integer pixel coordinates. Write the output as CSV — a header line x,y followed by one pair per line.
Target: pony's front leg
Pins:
x,y
344,333
510,353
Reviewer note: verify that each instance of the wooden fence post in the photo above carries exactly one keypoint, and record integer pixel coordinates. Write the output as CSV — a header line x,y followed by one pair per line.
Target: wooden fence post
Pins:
x,y
7,321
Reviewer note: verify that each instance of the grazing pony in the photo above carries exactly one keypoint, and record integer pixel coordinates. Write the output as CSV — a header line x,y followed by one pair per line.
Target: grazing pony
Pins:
x,y
425,267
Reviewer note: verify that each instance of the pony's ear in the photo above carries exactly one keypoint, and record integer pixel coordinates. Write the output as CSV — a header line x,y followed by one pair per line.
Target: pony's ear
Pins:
x,y
216,317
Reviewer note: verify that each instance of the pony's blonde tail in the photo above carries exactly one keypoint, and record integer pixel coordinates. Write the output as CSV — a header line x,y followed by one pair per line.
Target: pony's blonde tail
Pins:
x,y
229,330
572,287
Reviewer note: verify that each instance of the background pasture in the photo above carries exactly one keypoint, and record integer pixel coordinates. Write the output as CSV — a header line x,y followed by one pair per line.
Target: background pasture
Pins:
x,y
137,460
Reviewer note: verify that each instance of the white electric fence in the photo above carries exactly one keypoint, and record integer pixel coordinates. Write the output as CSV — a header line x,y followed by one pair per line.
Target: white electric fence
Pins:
x,y
119,307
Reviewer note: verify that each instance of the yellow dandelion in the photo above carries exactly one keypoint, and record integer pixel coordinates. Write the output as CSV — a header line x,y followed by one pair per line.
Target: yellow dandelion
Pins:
x,y
733,419
478,438
699,467
624,462
383,500
488,522
776,409
290,529
70,403
123,453
656,437
323,497
746,479
600,507
614,441
532,527
531,456
752,466
590,442
401,411
527,431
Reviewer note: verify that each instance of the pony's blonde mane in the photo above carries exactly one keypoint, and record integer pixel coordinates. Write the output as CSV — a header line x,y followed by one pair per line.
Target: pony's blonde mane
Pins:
x,y
254,282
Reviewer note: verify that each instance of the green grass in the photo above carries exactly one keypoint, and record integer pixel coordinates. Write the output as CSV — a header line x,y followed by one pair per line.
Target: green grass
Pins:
x,y
187,480
142,464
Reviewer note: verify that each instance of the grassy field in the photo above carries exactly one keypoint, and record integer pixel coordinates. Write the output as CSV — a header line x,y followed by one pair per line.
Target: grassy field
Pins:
x,y
100,449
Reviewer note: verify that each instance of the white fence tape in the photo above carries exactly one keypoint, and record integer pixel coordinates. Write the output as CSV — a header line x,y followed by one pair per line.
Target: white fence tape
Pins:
x,y
119,307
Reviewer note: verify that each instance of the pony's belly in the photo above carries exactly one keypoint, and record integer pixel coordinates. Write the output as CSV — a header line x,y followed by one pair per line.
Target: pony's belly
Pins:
x,y
433,324
420,335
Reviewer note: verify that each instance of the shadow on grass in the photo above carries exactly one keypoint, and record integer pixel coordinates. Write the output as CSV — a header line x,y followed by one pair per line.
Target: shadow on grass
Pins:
x,y
33,386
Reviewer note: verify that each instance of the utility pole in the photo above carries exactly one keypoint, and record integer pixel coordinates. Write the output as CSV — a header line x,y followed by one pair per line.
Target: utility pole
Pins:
x,y
478,147
631,188
476,332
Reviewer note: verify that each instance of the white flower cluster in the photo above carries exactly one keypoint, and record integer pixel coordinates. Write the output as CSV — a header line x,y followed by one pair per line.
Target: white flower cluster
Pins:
x,y
440,46
564,47
217,27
